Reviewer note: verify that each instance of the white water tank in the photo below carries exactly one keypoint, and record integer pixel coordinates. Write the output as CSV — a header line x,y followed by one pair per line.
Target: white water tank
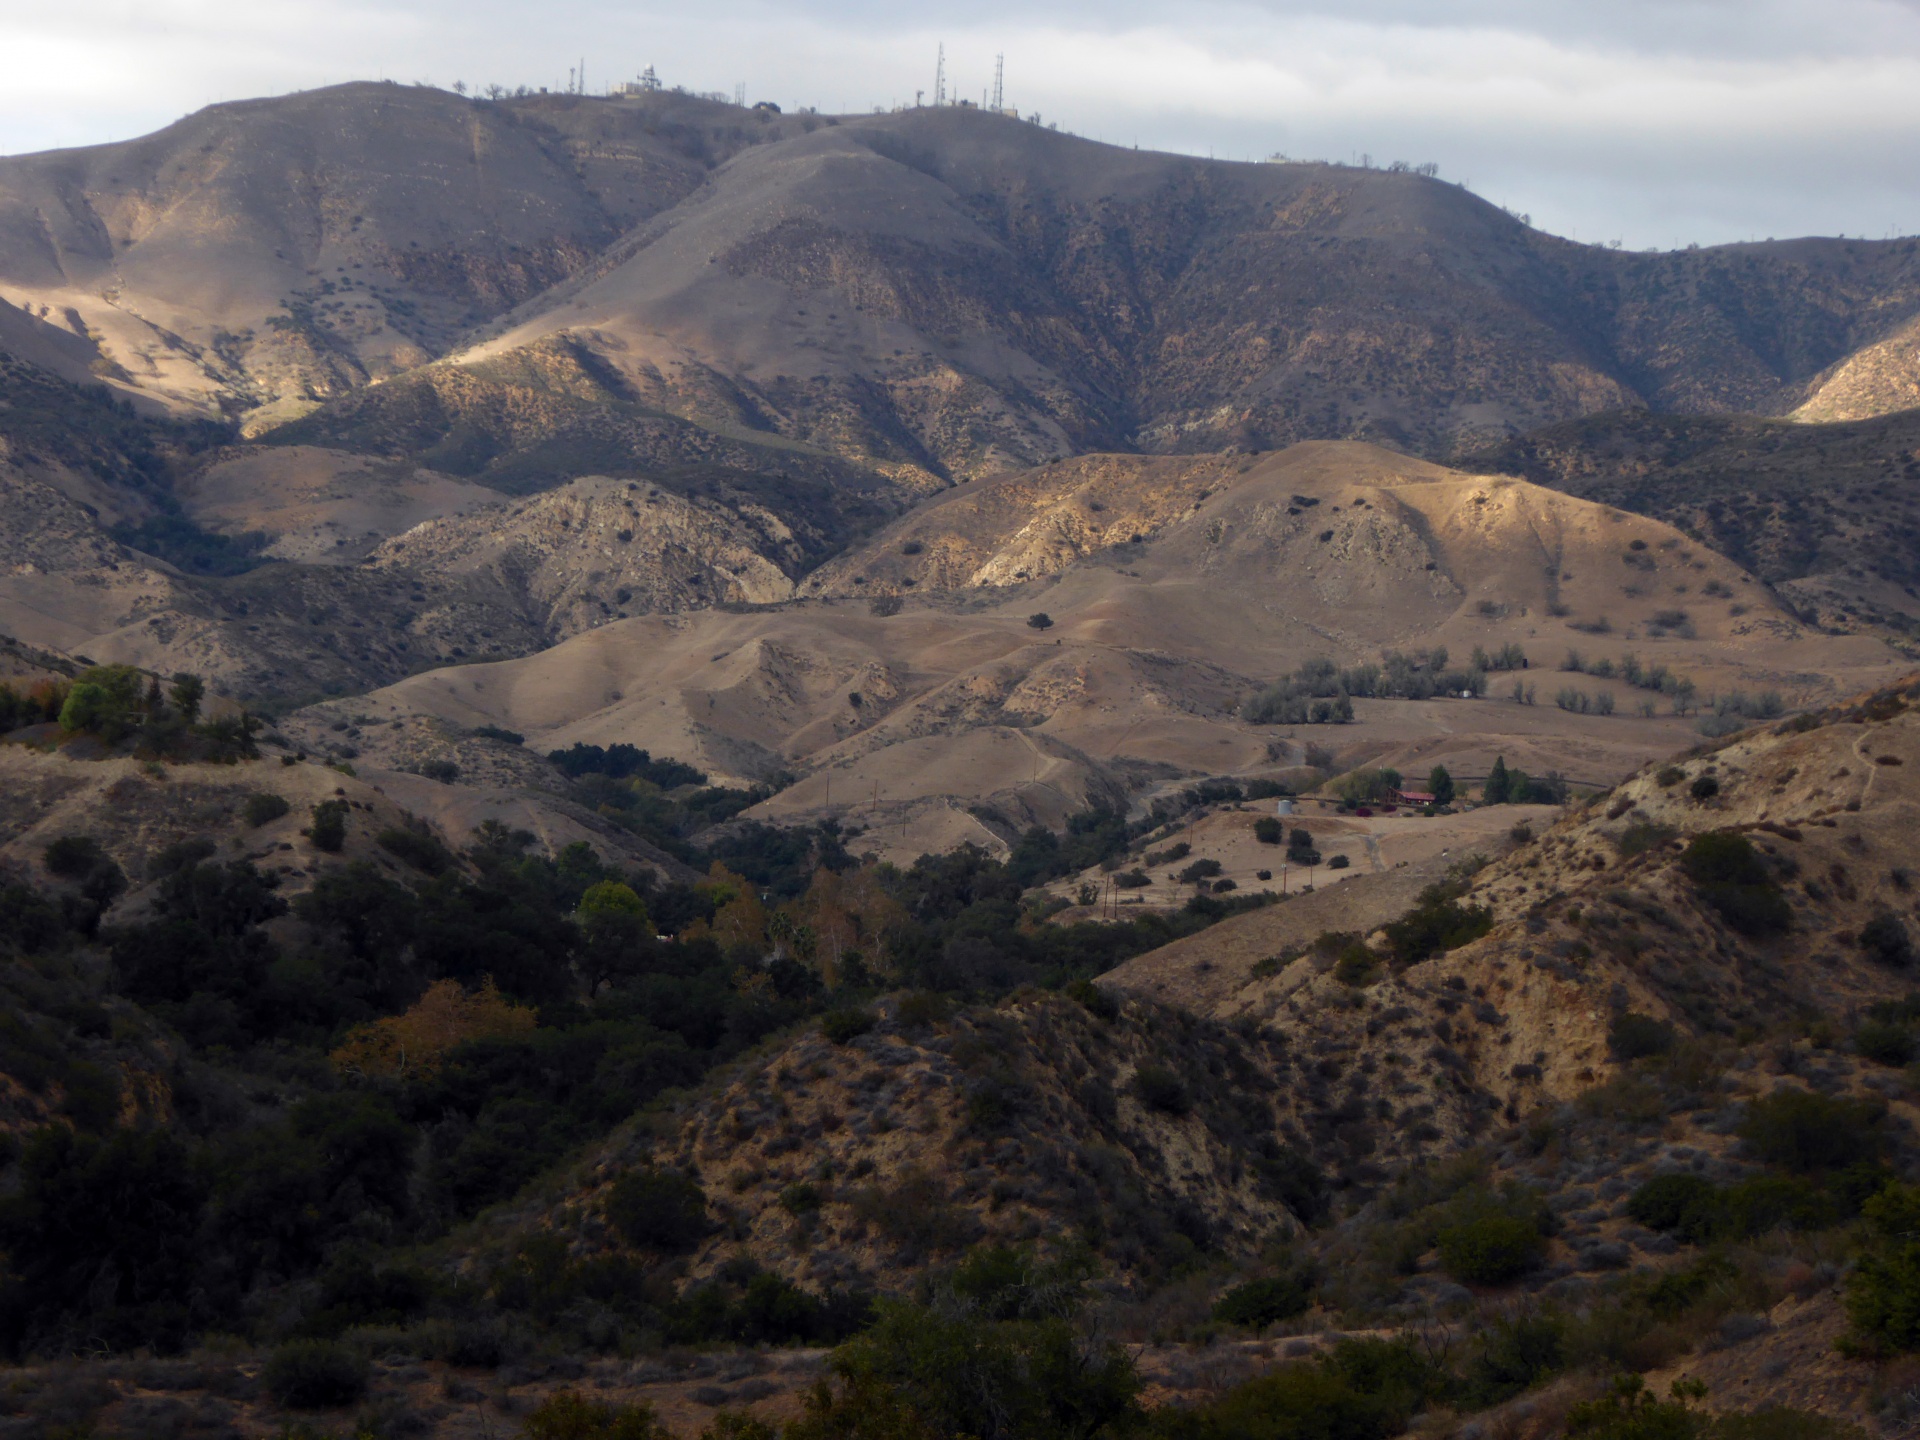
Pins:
x,y
1286,807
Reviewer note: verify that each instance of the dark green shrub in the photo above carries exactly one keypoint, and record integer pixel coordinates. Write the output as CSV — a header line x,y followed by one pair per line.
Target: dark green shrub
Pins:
x,y
183,855
1490,1249
1727,873
1721,857
963,1374
1515,1355
1669,1294
1199,870
1486,1239
315,1375
1642,836
265,807
1396,1373
1631,1413
1292,1179
801,1198
1338,862
355,1292
1667,1201
328,831
1040,620
567,1415
1295,1402
1765,1203
1100,1003
1356,966
1704,787
74,857
1268,830
1260,1303
1883,1291
1805,1132
423,852
1885,1043
1632,1036
1884,938
658,1210
1161,1089
1436,923
840,1026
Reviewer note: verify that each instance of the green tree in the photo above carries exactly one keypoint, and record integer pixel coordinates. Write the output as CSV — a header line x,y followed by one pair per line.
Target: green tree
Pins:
x,y
1496,789
1883,1291
103,1241
1440,782
329,829
104,701
187,692
616,933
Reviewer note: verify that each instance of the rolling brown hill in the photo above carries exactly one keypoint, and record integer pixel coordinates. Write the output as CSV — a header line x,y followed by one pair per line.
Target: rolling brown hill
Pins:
x,y
1824,513
271,253
913,684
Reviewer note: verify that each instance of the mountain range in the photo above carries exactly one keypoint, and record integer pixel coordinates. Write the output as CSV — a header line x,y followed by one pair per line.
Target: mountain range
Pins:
x,y
660,754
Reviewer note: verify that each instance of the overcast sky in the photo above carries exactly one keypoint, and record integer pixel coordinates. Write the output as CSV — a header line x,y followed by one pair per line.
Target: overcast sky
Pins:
x,y
1654,122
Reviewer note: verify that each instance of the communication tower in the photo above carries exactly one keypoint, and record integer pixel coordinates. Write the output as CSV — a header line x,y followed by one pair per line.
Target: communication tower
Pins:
x,y
940,76
999,89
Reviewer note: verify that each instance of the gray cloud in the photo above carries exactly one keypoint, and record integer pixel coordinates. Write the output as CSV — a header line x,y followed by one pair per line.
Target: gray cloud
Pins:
x,y
1648,121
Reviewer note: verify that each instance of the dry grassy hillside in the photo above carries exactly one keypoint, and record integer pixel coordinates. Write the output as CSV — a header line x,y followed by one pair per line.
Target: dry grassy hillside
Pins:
x,y
265,255
959,291
1822,512
135,813
933,292
1879,379
1175,589
1596,914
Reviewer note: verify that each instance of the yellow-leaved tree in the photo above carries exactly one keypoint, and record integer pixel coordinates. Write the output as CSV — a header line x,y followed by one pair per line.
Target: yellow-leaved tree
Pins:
x,y
416,1041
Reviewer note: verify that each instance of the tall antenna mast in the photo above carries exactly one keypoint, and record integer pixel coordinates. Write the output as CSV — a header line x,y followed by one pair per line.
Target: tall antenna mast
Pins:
x,y
999,76
940,76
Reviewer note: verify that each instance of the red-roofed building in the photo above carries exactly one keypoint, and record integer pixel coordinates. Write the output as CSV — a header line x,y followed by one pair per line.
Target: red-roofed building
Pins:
x,y
1411,797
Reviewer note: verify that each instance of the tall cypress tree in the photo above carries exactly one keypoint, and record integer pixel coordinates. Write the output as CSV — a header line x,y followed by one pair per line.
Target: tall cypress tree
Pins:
x,y
1495,791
